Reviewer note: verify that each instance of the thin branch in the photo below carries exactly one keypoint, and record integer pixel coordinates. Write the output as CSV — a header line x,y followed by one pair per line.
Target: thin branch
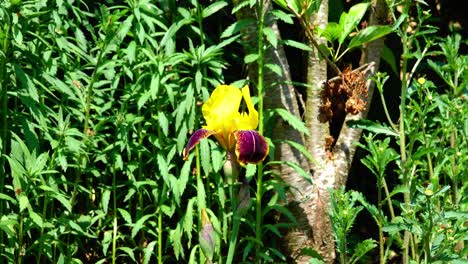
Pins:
x,y
310,36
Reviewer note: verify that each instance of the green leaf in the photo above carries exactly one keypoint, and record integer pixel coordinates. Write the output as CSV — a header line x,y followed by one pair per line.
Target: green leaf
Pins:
x,y
296,167
125,215
270,36
163,122
332,32
275,68
8,198
236,27
106,241
188,220
163,168
140,224
350,20
250,58
105,200
281,15
64,201
369,34
362,248
148,251
301,148
23,202
295,122
37,219
205,156
296,44
213,8
176,239
129,252
372,127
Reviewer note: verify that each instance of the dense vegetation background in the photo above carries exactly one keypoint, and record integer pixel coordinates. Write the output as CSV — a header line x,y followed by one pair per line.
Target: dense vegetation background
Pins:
x,y
98,100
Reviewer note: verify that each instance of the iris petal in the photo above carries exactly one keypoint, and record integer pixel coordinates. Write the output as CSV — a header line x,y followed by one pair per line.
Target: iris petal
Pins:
x,y
251,147
195,139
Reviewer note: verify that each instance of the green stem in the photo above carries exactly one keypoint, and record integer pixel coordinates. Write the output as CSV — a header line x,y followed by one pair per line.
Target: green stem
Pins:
x,y
114,232
379,204
89,93
160,237
259,193
235,226
406,195
4,110
19,253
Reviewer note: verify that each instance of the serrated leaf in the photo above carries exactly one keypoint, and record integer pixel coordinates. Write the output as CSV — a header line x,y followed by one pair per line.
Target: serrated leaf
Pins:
x,y
236,27
275,68
176,239
129,252
213,8
163,122
188,220
148,251
163,168
140,224
362,248
302,149
205,156
295,122
23,202
297,45
270,36
294,166
125,215
372,127
36,218
281,15
106,241
64,201
105,200
250,58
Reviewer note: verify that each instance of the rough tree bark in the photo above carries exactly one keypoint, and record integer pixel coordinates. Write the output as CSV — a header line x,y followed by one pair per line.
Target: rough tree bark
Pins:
x,y
331,171
280,94
323,172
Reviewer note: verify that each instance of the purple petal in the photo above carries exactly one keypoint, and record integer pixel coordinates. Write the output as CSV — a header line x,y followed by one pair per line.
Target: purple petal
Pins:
x,y
195,139
251,147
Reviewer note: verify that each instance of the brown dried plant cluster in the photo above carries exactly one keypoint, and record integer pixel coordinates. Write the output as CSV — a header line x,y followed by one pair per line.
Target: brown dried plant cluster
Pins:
x,y
346,94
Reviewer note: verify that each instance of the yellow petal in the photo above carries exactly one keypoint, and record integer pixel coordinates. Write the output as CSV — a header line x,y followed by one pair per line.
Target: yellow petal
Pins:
x,y
248,121
221,112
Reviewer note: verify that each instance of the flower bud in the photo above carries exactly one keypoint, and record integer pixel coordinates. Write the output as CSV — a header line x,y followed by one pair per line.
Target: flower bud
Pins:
x,y
206,237
231,168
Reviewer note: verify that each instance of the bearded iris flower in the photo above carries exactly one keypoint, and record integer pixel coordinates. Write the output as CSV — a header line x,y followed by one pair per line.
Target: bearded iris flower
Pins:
x,y
234,130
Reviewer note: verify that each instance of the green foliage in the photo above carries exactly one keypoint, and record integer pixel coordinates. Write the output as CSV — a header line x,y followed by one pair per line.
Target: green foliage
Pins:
x,y
343,213
347,24
431,159
97,101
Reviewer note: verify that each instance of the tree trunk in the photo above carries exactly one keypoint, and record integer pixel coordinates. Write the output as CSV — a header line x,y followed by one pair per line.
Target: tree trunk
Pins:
x,y
332,168
309,202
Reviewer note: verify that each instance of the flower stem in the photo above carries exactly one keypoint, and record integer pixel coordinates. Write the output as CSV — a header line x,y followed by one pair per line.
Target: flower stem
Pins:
x,y
259,194
235,226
